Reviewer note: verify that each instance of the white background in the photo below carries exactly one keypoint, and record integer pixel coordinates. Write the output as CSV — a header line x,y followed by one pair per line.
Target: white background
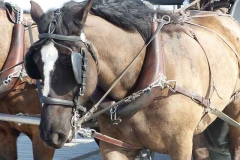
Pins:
x,y
45,4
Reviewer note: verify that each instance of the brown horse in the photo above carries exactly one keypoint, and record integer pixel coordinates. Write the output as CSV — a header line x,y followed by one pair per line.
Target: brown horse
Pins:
x,y
199,49
22,99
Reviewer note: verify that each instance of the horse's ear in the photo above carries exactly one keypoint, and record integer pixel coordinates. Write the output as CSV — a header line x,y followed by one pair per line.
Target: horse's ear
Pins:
x,y
36,11
82,14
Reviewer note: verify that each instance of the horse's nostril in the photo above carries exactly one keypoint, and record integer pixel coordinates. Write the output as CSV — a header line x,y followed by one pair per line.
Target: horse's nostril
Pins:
x,y
58,138
61,136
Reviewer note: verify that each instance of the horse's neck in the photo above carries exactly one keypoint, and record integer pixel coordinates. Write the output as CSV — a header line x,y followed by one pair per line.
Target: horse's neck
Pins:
x,y
116,49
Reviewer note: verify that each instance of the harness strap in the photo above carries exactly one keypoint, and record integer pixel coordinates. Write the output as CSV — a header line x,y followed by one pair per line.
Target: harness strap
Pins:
x,y
195,36
59,37
194,96
114,141
224,117
15,56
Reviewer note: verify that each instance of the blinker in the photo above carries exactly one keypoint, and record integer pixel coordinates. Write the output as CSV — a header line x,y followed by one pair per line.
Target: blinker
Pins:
x,y
79,66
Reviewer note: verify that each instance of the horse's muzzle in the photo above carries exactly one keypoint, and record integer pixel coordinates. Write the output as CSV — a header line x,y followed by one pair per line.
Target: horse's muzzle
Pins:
x,y
53,139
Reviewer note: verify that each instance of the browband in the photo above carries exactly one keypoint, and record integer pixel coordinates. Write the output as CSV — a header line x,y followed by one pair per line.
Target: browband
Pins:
x,y
59,37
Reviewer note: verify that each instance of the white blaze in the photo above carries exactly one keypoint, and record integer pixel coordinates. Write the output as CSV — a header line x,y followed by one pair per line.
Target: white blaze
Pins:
x,y
49,56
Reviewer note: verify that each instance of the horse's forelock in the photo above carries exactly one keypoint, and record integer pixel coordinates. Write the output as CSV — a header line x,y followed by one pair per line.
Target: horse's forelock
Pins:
x,y
66,23
70,25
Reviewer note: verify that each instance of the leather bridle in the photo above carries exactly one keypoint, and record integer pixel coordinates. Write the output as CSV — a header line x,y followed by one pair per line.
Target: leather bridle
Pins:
x,y
80,79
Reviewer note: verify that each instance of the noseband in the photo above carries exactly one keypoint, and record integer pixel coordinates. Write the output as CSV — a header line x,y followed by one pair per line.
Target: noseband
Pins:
x,y
79,65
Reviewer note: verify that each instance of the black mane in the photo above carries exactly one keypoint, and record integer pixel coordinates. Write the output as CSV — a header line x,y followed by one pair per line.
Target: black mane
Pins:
x,y
130,15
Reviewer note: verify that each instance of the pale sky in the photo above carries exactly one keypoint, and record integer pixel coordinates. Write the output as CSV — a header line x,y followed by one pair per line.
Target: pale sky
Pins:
x,y
45,4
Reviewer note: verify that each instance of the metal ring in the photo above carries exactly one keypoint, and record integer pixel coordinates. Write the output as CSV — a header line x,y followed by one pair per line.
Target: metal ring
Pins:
x,y
72,122
167,17
93,132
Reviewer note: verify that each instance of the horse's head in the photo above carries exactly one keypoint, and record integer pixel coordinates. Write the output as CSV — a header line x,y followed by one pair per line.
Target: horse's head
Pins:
x,y
61,58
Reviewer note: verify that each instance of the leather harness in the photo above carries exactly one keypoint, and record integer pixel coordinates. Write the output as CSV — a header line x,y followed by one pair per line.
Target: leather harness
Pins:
x,y
146,89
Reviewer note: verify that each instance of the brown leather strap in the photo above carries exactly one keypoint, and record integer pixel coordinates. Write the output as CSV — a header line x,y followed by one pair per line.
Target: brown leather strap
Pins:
x,y
15,56
115,141
195,36
194,96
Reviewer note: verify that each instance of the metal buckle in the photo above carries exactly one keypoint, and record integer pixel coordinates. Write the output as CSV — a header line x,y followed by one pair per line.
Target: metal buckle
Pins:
x,y
81,91
195,100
